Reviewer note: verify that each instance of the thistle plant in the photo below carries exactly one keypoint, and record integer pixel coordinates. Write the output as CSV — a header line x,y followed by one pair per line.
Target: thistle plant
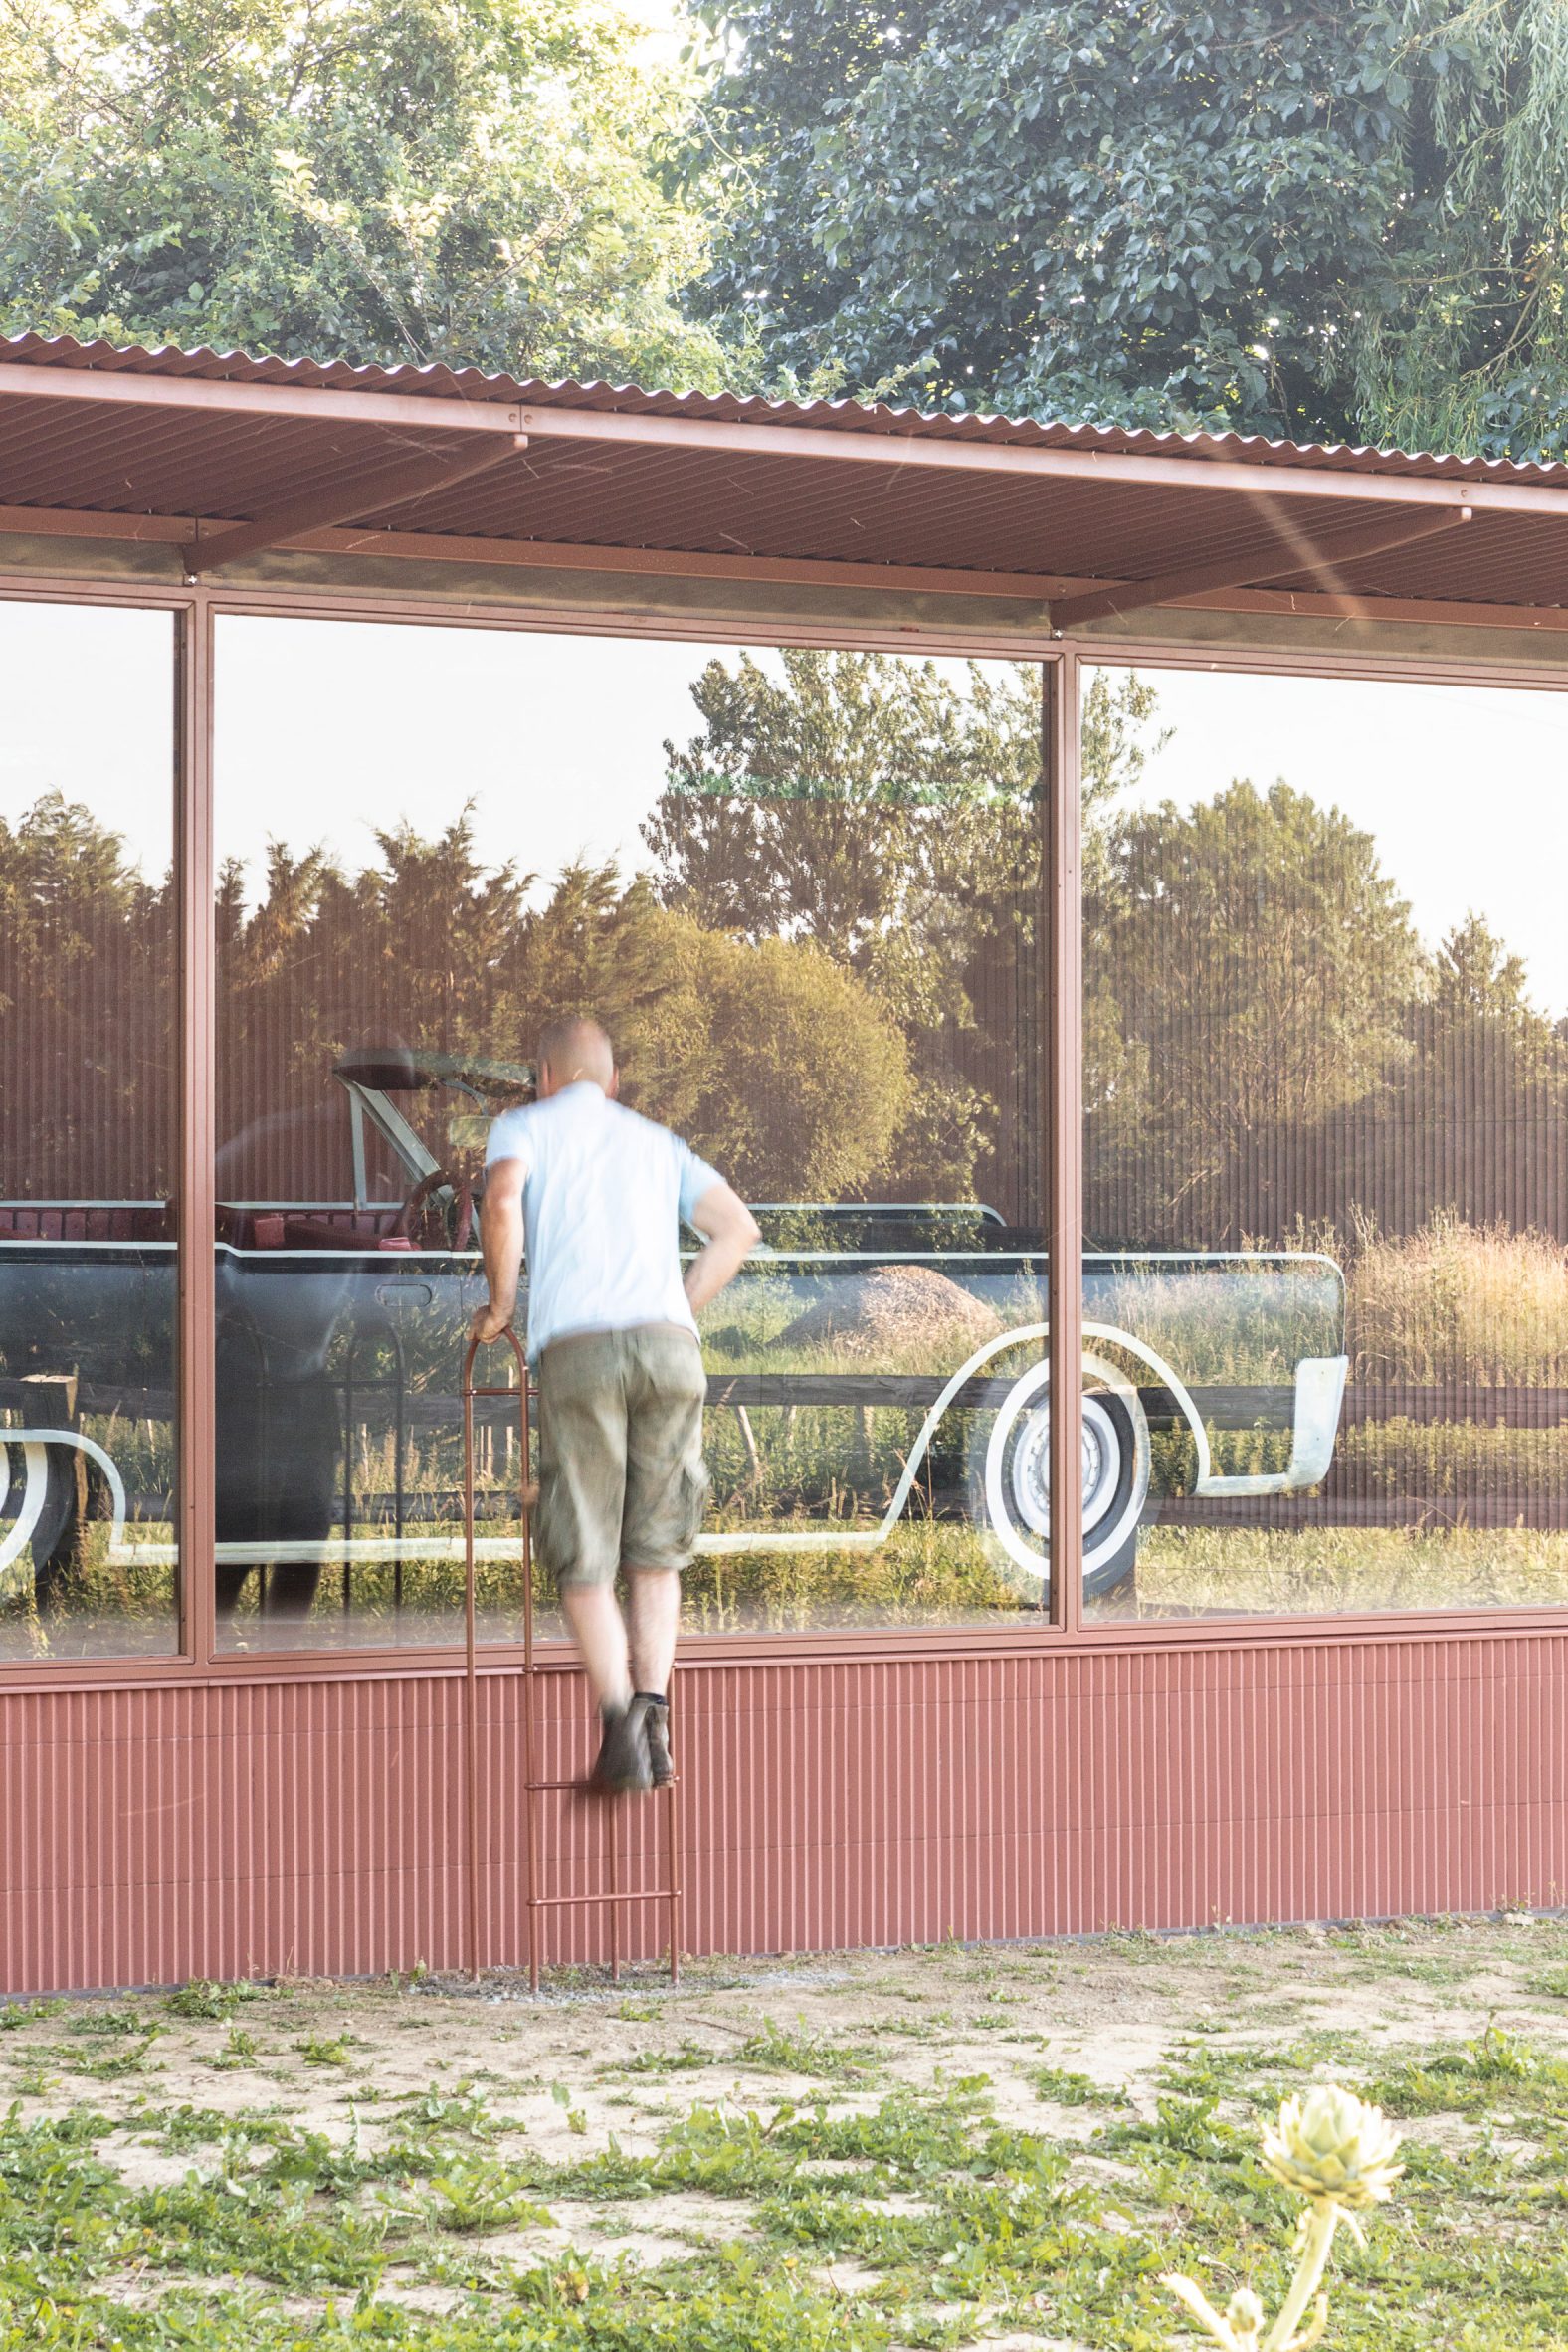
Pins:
x,y
1338,2153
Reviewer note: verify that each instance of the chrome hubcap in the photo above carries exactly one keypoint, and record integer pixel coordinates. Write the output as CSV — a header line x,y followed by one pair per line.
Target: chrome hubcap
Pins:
x,y
1031,1467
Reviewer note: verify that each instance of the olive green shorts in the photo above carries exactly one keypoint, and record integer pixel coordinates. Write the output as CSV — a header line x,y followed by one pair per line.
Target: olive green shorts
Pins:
x,y
621,1479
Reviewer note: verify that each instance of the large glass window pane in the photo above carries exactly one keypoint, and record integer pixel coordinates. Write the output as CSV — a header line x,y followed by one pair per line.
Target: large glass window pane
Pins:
x,y
1326,979
802,892
87,1140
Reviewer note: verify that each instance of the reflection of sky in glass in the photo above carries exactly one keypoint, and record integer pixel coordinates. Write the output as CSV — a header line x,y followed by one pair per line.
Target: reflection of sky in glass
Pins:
x,y
1462,788
557,740
89,711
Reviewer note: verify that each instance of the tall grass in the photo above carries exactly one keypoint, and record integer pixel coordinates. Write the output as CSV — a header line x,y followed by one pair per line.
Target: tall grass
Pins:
x,y
1209,1571
1458,1302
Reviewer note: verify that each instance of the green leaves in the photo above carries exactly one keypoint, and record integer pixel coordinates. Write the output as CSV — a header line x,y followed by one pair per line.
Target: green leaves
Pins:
x,y
1341,222
471,181
199,1998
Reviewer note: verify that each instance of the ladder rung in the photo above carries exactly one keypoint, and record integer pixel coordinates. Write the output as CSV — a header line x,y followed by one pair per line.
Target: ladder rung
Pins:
x,y
543,1787
559,1902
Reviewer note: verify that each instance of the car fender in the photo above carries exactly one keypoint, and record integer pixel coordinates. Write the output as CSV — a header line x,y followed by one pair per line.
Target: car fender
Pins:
x,y
34,1446
1319,1389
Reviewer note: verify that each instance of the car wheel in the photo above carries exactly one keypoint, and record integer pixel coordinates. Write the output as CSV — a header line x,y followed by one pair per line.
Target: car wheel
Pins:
x,y
1010,1479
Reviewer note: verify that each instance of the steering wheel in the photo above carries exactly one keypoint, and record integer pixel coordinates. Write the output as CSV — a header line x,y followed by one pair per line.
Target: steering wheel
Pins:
x,y
417,1214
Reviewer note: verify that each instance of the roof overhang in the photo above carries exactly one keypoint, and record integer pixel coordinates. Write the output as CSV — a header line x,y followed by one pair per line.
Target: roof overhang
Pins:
x,y
207,460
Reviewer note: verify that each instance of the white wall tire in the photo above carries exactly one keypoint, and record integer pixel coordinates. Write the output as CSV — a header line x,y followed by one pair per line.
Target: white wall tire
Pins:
x,y
1010,1490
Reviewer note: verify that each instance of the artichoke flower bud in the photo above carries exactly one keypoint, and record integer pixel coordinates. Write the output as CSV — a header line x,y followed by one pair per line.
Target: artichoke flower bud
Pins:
x,y
1244,2316
1330,2145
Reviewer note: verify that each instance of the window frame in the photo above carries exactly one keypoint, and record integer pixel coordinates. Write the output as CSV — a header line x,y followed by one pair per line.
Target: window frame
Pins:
x,y
195,609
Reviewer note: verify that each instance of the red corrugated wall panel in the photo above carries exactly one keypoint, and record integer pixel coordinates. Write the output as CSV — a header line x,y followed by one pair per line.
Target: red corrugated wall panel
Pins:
x,y
151,1835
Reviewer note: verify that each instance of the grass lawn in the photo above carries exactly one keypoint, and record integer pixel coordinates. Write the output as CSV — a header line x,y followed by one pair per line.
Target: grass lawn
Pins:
x,y
1001,2145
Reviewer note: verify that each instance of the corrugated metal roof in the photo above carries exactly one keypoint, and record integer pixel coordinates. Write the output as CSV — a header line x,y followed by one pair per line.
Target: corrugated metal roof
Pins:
x,y
616,470
848,415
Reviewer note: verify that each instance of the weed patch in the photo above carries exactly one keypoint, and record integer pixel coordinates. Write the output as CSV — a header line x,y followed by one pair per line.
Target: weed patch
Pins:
x,y
865,2201
775,2051
200,1998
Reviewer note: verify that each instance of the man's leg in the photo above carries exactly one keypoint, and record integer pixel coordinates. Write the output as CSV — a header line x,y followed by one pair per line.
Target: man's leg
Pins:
x,y
655,1613
582,1481
594,1616
655,1618
665,1490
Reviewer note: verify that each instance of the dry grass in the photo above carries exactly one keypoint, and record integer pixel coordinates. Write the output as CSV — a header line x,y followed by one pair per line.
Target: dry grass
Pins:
x,y
1217,1571
1456,1302
895,1313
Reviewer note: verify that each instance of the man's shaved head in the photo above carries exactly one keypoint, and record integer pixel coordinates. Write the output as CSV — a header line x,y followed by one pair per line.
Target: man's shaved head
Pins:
x,y
571,1048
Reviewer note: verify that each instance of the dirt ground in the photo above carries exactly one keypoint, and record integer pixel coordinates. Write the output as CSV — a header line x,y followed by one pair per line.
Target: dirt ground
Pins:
x,y
630,2133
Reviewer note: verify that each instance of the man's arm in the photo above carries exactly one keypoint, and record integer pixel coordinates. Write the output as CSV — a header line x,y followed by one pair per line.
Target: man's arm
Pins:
x,y
501,1240
730,1234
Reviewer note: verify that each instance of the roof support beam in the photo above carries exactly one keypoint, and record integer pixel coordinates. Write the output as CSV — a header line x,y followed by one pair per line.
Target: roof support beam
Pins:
x,y
887,446
350,501
1170,471
22,379
1295,553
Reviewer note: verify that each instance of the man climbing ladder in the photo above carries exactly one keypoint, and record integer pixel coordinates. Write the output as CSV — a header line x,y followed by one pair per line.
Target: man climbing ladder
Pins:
x,y
598,1194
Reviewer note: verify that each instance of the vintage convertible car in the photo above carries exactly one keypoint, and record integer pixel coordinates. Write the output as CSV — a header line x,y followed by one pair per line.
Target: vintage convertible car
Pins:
x,y
1210,1375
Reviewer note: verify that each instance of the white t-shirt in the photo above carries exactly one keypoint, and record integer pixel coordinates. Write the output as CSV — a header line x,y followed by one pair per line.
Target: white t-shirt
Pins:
x,y
604,1191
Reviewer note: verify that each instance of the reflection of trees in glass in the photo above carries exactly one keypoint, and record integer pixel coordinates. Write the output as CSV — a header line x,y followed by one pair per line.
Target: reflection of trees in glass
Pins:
x,y
768,1057
1288,1049
86,1010
1263,962
1480,1099
887,812
829,981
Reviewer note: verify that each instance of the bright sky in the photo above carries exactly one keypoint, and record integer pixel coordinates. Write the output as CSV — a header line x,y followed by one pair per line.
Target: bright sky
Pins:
x,y
556,741
327,730
1465,789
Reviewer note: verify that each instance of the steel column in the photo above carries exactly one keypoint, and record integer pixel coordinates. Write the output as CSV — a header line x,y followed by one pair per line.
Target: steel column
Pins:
x,y
1063,1131
194,866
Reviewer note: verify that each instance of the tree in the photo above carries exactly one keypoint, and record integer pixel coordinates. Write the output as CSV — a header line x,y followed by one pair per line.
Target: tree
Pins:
x,y
1116,740
838,795
1484,1092
887,813
1476,980
1265,966
773,1061
86,1009
769,1057
1344,220
467,181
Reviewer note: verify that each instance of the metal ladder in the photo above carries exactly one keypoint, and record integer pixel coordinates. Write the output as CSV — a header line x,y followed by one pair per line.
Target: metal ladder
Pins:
x,y
615,1895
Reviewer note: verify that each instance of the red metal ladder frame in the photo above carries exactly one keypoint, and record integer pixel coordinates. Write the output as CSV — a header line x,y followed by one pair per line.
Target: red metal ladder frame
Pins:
x,y
533,1787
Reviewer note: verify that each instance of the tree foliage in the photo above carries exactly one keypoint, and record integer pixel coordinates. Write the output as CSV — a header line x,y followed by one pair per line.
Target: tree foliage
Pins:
x,y
87,967
887,812
766,1055
1345,220
1264,963
471,181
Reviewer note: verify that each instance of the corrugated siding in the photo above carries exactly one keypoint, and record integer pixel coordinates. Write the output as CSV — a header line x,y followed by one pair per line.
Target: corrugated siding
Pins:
x,y
148,1835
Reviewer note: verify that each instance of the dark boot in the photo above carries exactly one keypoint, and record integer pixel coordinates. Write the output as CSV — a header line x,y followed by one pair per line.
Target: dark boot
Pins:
x,y
621,1762
661,1764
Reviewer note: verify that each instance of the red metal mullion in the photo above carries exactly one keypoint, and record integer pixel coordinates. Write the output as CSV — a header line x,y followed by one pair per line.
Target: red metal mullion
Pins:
x,y
1063,1134
195,1341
